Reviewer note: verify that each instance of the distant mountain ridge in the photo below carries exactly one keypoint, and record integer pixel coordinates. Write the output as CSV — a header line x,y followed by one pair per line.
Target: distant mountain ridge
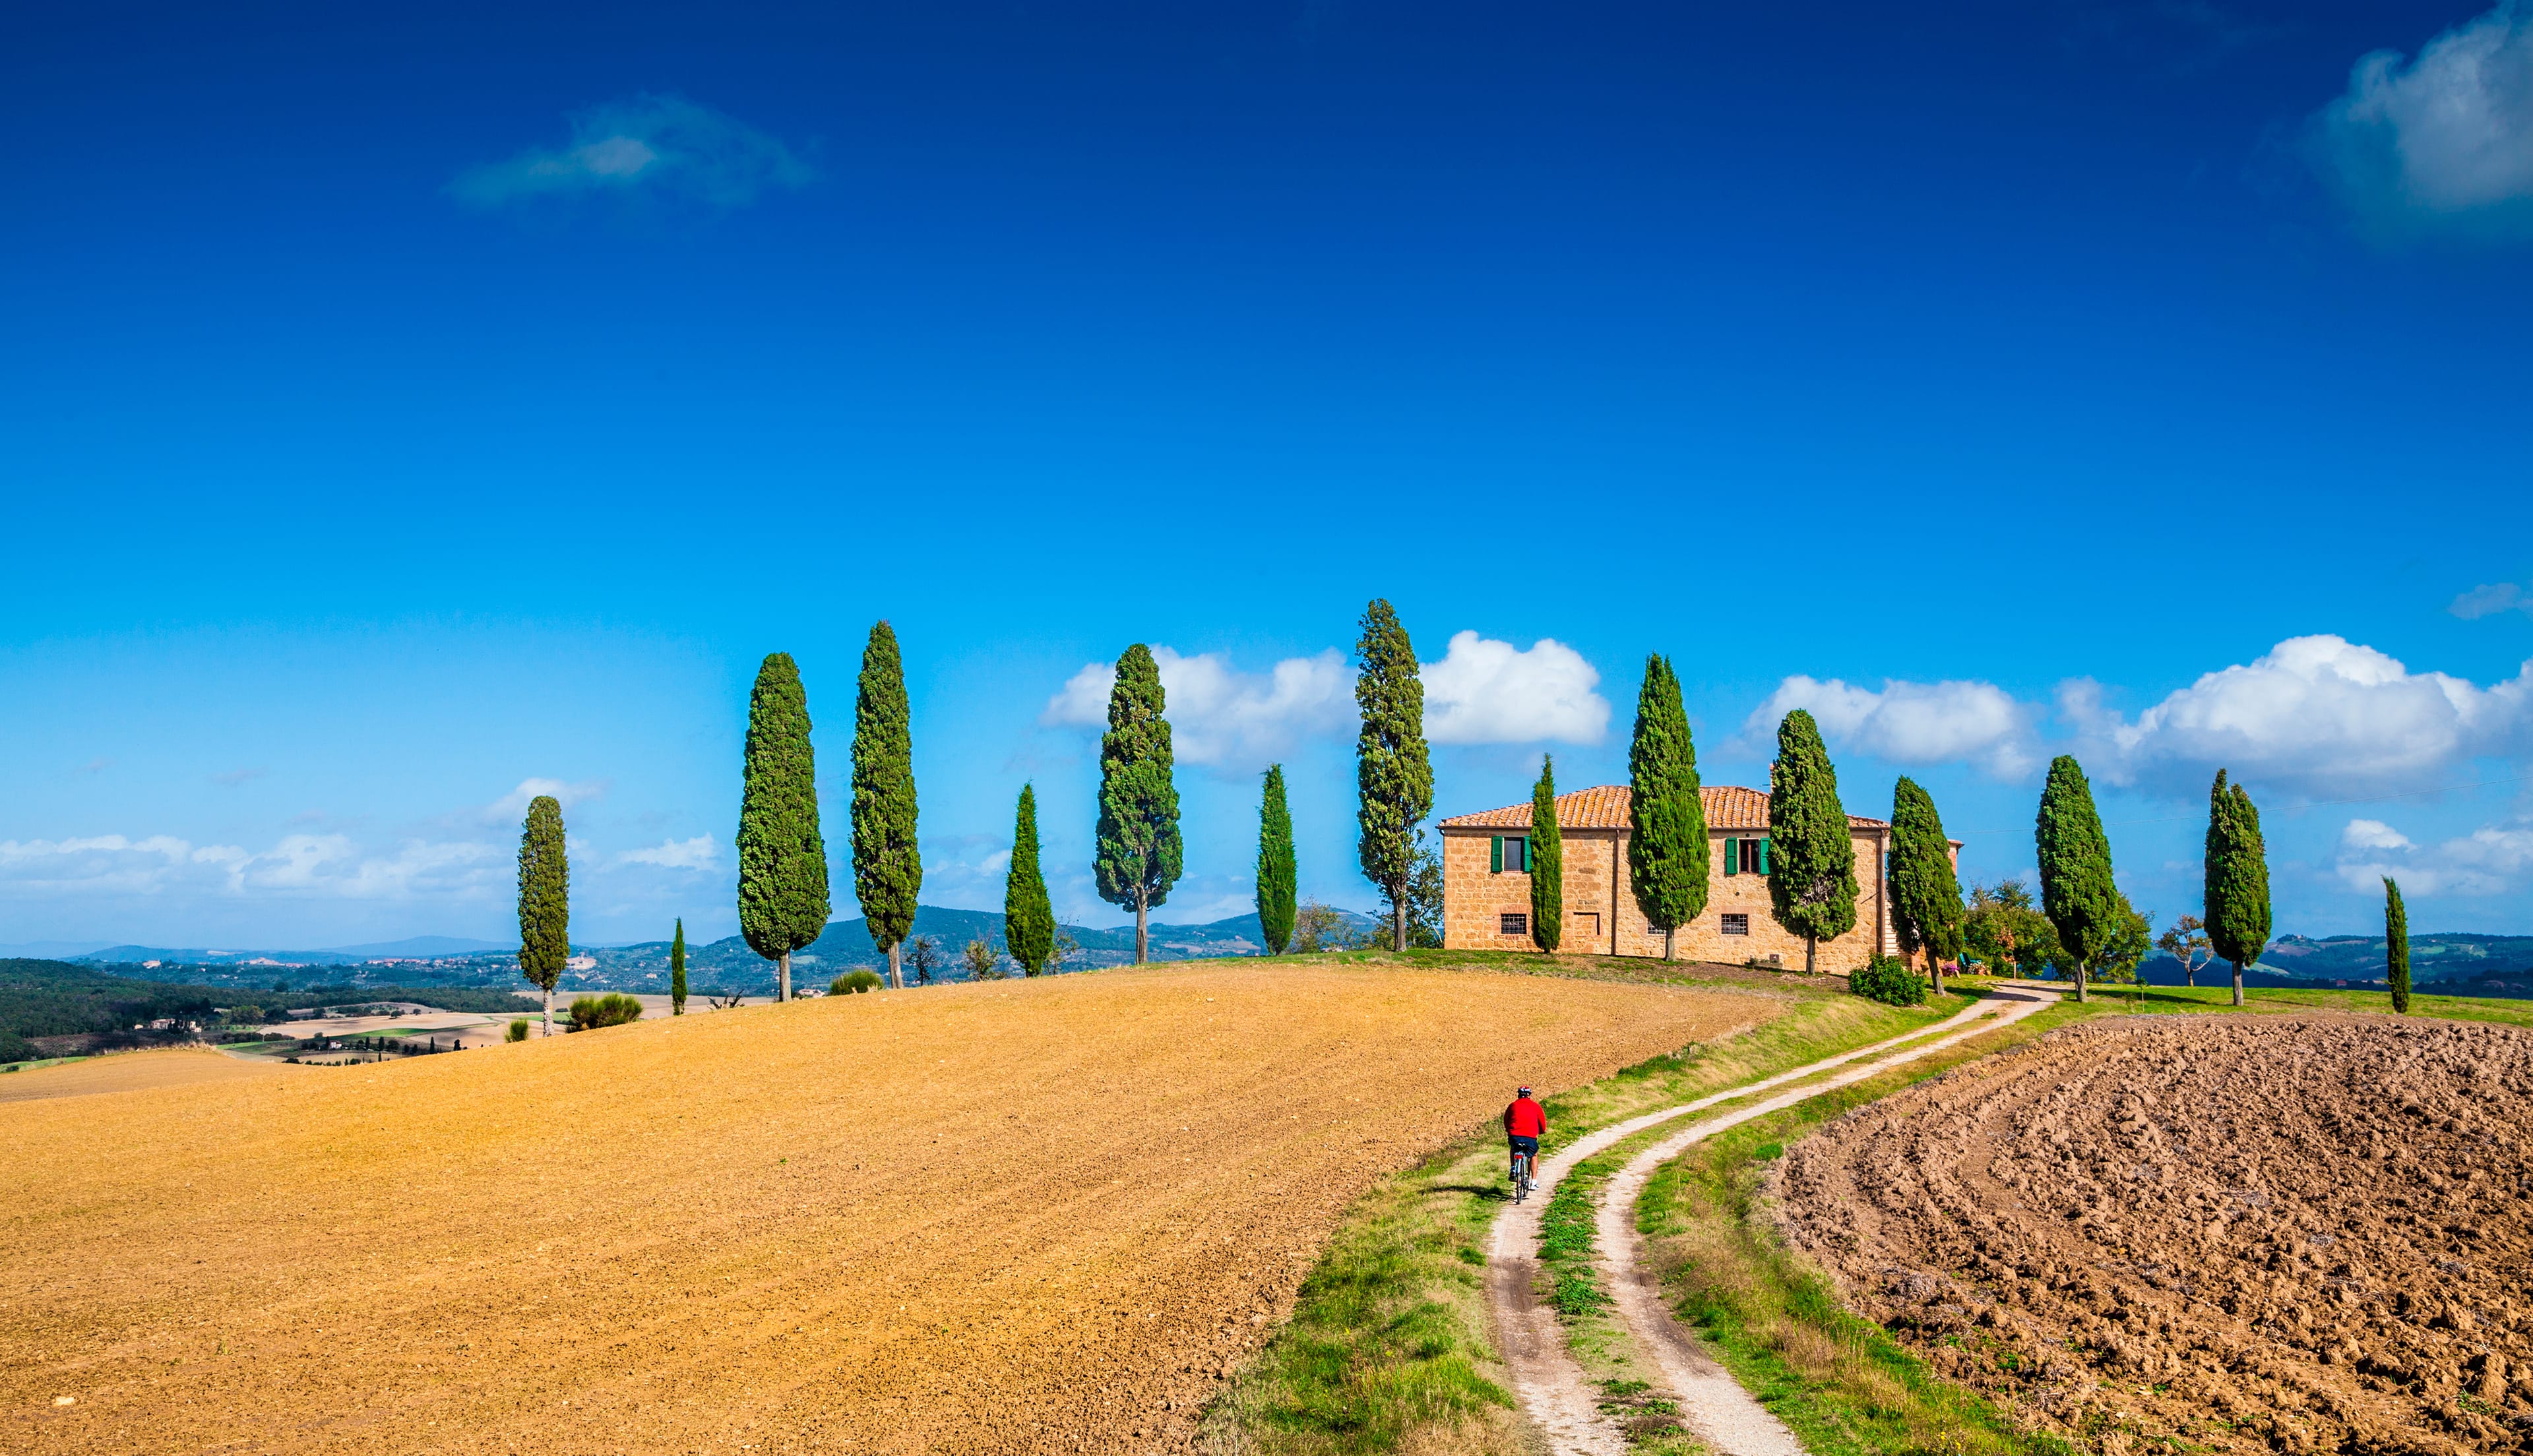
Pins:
x,y
726,964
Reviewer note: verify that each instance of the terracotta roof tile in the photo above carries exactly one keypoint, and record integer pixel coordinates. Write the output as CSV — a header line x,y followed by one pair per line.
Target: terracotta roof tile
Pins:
x,y
1606,807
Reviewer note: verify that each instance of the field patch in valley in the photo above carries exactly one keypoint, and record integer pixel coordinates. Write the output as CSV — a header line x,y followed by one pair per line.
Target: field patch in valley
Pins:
x,y
2302,1233
128,1072
1016,1216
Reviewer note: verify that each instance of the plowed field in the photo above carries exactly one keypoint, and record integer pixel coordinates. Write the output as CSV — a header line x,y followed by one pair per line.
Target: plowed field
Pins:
x,y
2306,1234
127,1071
1037,1215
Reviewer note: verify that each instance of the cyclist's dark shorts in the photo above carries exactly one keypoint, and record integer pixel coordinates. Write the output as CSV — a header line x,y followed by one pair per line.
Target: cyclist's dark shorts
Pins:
x,y
1529,1145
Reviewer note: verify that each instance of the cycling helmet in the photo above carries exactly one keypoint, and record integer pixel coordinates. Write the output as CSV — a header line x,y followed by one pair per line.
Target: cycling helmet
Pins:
x,y
1525,1092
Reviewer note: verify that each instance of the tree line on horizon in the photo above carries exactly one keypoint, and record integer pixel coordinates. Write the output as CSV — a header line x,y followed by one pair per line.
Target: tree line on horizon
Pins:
x,y
2083,925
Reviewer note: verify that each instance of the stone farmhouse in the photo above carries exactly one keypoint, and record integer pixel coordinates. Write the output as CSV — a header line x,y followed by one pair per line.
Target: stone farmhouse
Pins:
x,y
1486,884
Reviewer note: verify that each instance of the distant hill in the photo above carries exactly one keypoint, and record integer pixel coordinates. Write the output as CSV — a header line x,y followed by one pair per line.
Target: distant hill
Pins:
x,y
723,966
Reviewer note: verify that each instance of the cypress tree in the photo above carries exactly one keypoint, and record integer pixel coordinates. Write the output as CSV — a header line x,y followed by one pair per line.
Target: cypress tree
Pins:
x,y
1811,853
1029,920
1137,849
888,868
2077,892
2397,946
1277,874
677,971
1668,859
2237,907
1547,861
1393,773
1925,894
545,899
783,900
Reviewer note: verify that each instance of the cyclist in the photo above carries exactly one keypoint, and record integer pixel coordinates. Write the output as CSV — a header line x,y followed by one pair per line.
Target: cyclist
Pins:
x,y
1524,1121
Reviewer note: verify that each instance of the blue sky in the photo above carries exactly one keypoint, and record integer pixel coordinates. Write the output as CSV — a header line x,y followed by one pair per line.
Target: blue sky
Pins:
x,y
402,409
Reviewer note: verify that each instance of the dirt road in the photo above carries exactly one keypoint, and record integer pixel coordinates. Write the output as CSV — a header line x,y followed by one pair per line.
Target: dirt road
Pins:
x,y
1024,1216
2301,1234
1722,1415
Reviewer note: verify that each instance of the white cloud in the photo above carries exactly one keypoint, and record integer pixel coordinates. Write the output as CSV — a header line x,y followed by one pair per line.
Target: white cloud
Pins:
x,y
2491,600
1909,723
2315,714
2372,834
297,866
701,852
659,144
1486,691
2490,860
512,807
1217,714
2442,143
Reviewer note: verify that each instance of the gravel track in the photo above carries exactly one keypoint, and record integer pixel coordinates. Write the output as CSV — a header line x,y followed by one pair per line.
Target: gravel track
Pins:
x,y
1038,1216
1545,1377
2294,1234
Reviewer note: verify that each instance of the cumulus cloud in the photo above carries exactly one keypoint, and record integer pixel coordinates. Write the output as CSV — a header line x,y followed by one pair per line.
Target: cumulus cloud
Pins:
x,y
1486,691
1219,715
2442,143
2315,714
2490,860
1909,723
658,146
514,804
2491,600
701,852
301,865
2372,834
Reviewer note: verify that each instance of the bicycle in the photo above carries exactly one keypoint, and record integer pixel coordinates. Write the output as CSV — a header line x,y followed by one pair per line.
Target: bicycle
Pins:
x,y
1522,1182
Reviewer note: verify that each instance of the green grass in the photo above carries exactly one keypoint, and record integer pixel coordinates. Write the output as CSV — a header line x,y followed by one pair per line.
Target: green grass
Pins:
x,y
1388,1341
40,1063
2192,1000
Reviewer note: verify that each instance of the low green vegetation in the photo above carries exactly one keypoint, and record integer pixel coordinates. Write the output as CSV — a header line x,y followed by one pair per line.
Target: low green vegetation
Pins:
x,y
518,1030
854,981
589,1013
1889,980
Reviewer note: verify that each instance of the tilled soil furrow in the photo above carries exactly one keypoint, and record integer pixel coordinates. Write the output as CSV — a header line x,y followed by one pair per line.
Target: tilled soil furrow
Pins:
x,y
2295,1233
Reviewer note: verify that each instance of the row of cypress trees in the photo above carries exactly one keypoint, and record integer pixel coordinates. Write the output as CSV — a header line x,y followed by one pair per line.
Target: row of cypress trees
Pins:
x,y
783,895
784,900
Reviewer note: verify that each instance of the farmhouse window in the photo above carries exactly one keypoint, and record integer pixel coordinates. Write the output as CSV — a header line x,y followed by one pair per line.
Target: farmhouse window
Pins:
x,y
1746,856
1513,923
1737,925
1511,852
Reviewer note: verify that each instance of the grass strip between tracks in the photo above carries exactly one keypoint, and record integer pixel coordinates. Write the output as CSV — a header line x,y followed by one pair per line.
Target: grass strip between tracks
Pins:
x,y
1388,1346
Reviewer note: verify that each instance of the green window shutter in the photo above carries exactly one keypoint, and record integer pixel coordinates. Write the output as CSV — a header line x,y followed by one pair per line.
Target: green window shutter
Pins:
x,y
1733,857
1763,856
1494,862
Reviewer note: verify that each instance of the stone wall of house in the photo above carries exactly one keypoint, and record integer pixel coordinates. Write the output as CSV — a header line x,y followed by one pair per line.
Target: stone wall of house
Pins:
x,y
1474,897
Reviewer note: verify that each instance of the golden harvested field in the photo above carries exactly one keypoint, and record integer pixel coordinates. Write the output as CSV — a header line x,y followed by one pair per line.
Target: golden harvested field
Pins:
x,y
127,1071
1032,1215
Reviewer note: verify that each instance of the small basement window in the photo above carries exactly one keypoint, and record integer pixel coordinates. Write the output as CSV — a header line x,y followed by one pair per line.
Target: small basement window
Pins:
x,y
1737,925
1513,923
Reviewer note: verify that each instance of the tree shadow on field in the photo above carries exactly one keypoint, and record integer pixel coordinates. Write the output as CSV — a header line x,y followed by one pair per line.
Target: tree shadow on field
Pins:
x,y
1500,1193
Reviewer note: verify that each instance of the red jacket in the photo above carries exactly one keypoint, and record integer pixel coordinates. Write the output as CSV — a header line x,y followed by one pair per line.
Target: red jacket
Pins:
x,y
1525,1119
